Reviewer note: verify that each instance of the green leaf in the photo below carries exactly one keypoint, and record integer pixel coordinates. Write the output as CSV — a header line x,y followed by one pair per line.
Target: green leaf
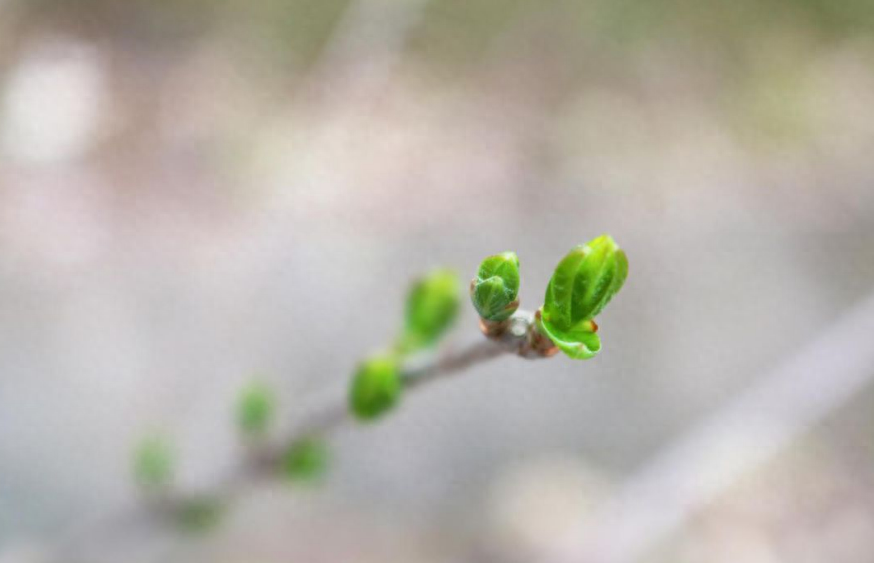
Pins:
x,y
559,292
153,463
495,290
580,344
255,409
305,460
376,387
583,284
432,306
601,276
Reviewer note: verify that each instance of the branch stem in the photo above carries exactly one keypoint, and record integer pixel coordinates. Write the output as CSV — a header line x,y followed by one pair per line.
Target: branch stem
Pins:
x,y
331,412
326,414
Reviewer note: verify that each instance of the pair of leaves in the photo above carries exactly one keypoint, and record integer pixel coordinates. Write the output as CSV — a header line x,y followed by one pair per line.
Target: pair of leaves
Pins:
x,y
583,284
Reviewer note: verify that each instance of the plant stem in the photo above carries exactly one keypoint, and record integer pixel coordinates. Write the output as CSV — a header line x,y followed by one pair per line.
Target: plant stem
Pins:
x,y
331,412
327,414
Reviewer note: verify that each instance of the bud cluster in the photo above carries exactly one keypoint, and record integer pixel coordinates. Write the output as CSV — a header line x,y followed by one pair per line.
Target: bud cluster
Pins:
x,y
495,289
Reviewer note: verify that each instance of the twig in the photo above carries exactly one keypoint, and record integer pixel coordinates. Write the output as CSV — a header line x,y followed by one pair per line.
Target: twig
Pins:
x,y
331,412
155,515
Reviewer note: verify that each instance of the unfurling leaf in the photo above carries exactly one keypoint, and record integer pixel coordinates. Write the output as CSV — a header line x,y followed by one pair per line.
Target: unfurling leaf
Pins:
x,y
580,344
581,286
495,289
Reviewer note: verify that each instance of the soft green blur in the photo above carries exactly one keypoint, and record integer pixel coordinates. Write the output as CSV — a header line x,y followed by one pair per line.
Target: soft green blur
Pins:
x,y
431,309
154,462
256,408
376,387
305,460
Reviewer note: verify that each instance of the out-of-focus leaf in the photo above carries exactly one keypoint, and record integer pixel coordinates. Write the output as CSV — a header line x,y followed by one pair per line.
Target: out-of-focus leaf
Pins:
x,y
431,308
376,387
255,409
305,460
153,462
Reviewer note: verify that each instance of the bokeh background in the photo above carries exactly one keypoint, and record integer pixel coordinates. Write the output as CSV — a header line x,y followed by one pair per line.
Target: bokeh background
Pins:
x,y
199,191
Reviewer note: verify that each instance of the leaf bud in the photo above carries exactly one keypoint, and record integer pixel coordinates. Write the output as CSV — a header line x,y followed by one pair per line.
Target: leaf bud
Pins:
x,y
376,387
431,308
495,290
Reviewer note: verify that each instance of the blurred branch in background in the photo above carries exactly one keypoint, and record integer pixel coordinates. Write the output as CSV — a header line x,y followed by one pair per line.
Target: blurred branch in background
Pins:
x,y
350,73
375,29
749,430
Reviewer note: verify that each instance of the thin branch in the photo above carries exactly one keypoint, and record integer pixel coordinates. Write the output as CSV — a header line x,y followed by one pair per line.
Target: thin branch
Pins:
x,y
331,412
155,516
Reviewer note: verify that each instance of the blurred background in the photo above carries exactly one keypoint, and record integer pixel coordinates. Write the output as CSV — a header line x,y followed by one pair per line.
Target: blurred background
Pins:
x,y
199,191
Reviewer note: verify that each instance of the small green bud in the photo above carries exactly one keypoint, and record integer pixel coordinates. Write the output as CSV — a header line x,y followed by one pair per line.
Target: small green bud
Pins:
x,y
432,305
153,463
376,387
495,289
200,514
305,460
581,286
255,409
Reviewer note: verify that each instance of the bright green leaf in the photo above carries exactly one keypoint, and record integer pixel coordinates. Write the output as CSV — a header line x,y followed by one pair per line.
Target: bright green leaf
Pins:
x,y
559,292
579,344
583,284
